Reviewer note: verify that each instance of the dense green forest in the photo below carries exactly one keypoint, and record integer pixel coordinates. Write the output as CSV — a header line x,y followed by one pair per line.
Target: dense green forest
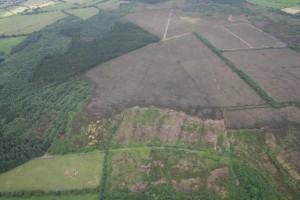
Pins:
x,y
40,91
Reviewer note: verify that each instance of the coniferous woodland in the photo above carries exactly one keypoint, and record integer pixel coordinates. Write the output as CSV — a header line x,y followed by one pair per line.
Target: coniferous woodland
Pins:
x,y
40,91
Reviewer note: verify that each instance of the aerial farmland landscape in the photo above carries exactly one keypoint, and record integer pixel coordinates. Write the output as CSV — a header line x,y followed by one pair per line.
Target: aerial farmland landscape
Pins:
x,y
149,99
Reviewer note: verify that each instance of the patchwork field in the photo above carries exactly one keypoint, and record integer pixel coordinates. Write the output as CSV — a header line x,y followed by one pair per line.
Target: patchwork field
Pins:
x,y
181,73
55,173
177,173
20,24
166,127
190,116
185,171
266,67
186,157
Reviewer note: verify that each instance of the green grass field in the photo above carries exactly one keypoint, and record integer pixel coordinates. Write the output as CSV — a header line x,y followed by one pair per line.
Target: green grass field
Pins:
x,y
84,13
277,4
35,3
19,24
4,13
109,5
66,197
17,9
66,172
6,44
58,6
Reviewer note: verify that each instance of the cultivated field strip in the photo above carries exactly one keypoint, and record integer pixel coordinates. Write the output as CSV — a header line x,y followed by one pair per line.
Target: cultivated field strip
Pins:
x,y
254,37
181,73
267,68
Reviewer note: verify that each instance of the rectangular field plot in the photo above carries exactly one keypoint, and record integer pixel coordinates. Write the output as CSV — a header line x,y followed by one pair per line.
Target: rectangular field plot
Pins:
x,y
223,39
19,24
177,73
57,173
255,37
266,68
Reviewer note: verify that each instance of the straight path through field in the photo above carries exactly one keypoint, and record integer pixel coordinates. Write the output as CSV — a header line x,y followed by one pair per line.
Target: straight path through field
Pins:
x,y
167,26
281,43
177,36
249,45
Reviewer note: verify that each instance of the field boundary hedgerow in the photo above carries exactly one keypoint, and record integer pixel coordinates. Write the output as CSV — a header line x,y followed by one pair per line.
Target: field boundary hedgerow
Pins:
x,y
269,100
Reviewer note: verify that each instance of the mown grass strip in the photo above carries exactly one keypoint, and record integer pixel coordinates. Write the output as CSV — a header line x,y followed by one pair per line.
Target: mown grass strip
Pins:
x,y
269,100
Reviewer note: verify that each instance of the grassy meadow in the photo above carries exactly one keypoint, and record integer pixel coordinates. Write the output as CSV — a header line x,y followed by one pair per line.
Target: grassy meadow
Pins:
x,y
20,24
60,173
6,44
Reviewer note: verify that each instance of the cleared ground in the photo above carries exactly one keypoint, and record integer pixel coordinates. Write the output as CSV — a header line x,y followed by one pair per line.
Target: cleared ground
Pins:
x,y
253,37
56,173
181,73
266,67
28,23
223,39
295,71
154,21
261,117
